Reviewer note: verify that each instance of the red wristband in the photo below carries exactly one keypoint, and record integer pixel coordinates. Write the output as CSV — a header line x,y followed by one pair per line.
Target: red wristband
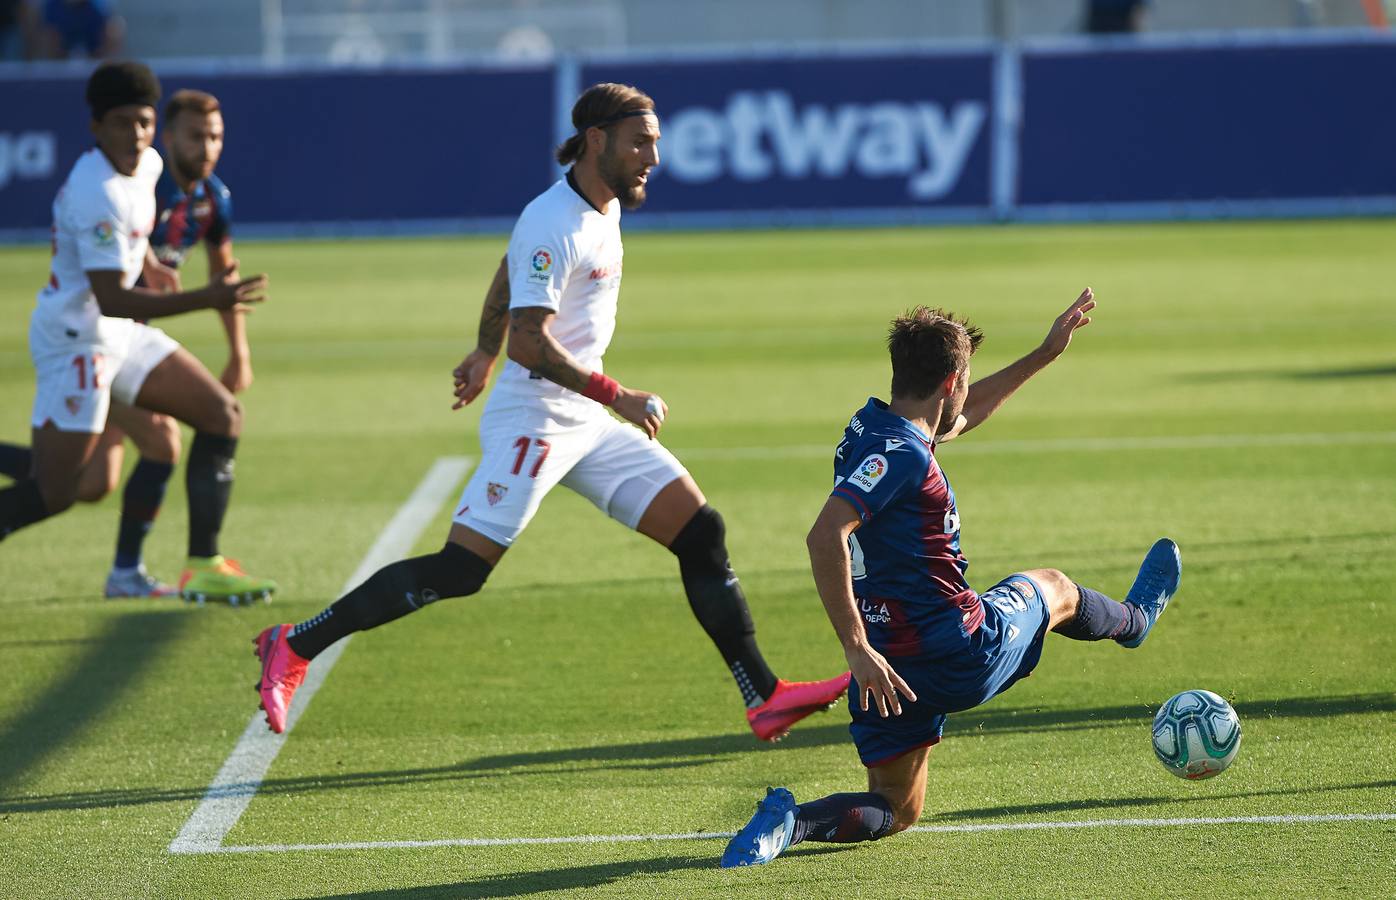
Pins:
x,y
601,388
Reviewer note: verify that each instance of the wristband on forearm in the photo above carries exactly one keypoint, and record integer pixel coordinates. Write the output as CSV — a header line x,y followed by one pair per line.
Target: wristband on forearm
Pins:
x,y
601,388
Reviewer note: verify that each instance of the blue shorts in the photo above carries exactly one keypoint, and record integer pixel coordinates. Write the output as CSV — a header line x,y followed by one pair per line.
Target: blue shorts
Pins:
x,y
1005,648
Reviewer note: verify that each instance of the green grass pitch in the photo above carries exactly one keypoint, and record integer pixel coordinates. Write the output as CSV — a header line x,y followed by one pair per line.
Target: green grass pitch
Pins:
x,y
1237,392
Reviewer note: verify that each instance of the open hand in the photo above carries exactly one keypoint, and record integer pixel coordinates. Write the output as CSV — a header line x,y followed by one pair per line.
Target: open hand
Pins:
x,y
1059,337
231,291
876,677
471,376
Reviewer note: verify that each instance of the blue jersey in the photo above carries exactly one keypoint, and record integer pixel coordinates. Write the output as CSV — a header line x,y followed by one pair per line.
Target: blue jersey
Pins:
x,y
908,571
183,220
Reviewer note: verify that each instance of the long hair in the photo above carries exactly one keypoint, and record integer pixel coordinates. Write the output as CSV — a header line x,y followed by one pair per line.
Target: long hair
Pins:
x,y
597,104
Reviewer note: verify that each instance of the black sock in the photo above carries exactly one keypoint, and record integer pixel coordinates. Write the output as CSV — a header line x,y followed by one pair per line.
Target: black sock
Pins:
x,y
391,593
16,461
1098,618
21,505
140,504
208,478
843,819
717,600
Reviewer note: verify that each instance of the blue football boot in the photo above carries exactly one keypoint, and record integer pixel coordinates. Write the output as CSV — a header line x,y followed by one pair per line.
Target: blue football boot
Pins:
x,y
1155,584
767,834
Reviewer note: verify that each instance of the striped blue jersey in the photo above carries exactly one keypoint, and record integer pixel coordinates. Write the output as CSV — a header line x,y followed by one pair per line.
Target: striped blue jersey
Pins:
x,y
908,571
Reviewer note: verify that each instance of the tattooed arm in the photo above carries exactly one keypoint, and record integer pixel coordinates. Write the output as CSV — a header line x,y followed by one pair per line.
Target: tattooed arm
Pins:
x,y
533,346
474,371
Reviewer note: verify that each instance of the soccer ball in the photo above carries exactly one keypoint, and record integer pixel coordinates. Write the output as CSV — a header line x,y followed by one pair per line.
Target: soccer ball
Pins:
x,y
1196,735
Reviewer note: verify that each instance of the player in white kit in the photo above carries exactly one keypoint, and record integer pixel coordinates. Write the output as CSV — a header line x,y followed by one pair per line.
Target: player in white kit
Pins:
x,y
546,423
88,347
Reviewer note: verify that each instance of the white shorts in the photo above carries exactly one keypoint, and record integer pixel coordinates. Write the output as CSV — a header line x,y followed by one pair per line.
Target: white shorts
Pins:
x,y
77,380
526,451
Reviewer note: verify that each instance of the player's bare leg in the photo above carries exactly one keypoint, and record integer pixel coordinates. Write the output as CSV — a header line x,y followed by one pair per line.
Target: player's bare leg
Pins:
x,y
102,472
902,783
458,569
58,458
180,386
157,439
680,519
1083,614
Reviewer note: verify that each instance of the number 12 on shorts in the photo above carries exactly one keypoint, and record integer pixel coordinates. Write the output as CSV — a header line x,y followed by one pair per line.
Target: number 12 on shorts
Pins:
x,y
522,446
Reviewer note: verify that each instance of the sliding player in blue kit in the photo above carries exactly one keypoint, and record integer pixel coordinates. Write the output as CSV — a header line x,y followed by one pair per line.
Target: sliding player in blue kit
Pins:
x,y
885,552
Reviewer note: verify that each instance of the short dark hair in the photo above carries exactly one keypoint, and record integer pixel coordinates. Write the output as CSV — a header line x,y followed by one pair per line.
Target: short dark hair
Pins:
x,y
121,84
598,107
192,102
927,346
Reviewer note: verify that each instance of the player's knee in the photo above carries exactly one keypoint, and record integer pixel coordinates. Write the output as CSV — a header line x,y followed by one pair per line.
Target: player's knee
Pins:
x,y
164,445
906,812
223,416
702,539
453,571
97,480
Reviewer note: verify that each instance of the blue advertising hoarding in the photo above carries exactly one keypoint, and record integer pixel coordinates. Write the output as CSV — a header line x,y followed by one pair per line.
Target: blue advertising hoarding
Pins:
x,y
1067,128
879,132
318,147
1183,124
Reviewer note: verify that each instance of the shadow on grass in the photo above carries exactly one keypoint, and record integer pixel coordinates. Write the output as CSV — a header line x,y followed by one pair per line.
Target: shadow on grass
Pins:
x,y
1029,809
690,752
1386,370
91,684
521,884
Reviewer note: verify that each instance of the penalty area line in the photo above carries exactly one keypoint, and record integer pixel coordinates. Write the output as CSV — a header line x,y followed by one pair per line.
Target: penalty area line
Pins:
x,y
1297,819
242,773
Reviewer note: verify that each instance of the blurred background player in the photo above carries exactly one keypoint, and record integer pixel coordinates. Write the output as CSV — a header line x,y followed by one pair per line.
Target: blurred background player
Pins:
x,y
88,347
546,423
80,29
192,206
885,552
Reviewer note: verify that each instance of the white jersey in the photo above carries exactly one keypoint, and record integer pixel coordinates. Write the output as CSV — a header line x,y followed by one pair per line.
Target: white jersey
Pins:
x,y
101,221
566,256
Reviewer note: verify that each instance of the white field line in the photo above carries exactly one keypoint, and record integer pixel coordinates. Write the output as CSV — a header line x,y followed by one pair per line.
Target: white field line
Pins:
x,y
723,835
242,773
970,446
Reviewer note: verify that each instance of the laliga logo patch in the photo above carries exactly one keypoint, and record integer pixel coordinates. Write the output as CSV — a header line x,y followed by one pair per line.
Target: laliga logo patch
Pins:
x,y
869,472
541,265
104,233
495,492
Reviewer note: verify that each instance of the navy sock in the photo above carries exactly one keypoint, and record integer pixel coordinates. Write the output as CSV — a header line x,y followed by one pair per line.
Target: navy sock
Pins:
x,y
843,819
15,461
140,504
1099,618
21,505
208,478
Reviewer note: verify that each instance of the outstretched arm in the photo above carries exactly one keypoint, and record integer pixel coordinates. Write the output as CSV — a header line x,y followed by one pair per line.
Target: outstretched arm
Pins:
x,y
833,578
224,291
989,393
474,371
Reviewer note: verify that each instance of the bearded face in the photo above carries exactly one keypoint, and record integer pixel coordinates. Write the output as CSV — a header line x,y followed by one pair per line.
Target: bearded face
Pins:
x,y
632,150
